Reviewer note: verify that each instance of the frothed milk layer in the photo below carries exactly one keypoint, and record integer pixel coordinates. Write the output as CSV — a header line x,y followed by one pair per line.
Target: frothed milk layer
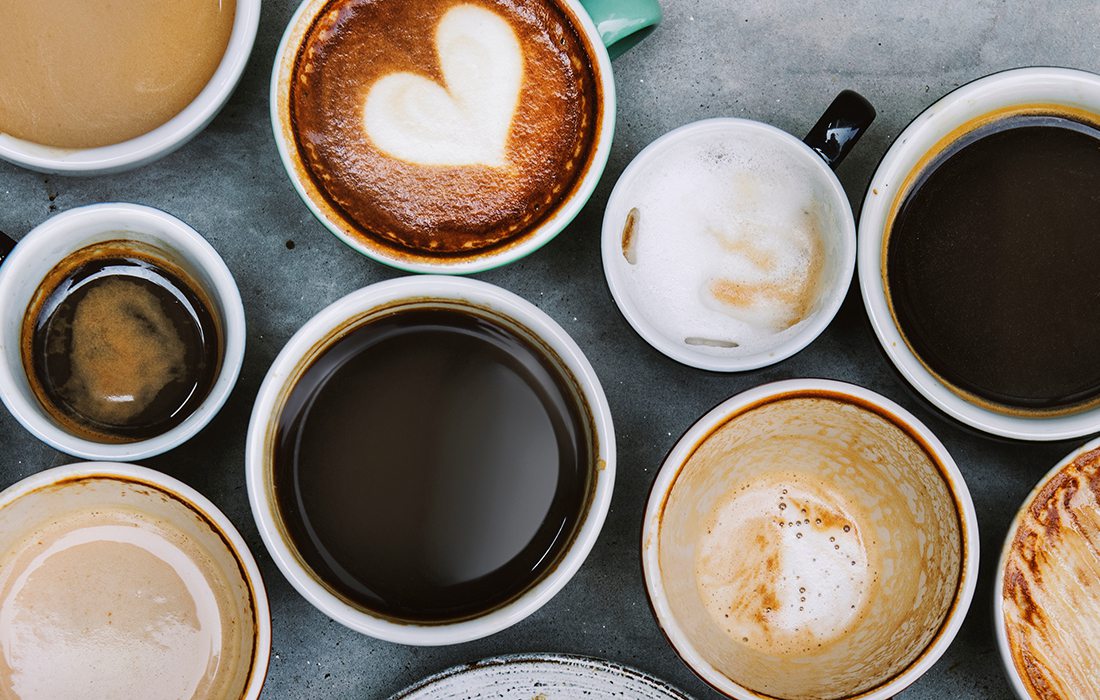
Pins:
x,y
724,243
783,566
1051,597
116,603
444,128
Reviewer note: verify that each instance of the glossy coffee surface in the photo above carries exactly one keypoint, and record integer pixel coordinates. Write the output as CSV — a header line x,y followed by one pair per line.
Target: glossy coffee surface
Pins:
x,y
119,344
444,128
990,264
431,465
1051,595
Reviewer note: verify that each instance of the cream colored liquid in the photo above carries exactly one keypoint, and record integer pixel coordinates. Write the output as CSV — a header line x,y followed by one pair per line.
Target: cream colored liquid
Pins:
x,y
85,73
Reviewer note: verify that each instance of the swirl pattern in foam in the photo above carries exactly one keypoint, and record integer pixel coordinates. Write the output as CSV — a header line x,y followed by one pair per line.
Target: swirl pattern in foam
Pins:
x,y
441,129
728,238
1050,597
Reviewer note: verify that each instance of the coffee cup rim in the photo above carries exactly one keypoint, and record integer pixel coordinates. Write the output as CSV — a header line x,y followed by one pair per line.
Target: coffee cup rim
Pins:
x,y
610,249
567,211
729,410
190,497
149,221
315,334
999,627
165,138
899,161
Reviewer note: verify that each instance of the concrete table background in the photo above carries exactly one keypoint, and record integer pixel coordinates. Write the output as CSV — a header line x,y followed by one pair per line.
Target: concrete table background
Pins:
x,y
780,61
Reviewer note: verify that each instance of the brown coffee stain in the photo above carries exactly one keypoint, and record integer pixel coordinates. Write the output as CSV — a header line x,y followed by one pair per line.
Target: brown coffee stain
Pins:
x,y
1050,577
630,233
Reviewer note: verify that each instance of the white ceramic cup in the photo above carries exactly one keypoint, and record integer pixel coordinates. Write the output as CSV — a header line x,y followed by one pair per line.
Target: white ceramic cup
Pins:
x,y
48,244
837,130
1074,638
312,339
162,140
928,133
90,486
880,474
288,152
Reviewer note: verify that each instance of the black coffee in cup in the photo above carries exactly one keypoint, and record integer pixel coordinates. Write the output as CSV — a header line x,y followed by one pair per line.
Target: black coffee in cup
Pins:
x,y
990,262
119,344
432,463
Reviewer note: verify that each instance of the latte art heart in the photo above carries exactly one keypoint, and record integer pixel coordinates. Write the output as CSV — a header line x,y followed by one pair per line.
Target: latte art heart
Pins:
x,y
465,121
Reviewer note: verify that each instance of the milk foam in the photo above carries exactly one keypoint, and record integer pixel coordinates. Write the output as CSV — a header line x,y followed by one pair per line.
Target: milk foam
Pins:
x,y
115,610
465,121
726,252
782,566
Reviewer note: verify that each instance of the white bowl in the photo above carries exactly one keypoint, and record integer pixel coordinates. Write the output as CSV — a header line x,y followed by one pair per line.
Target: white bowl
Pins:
x,y
160,141
300,351
52,241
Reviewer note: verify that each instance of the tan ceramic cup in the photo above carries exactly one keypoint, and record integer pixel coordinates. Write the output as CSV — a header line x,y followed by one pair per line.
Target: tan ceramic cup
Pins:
x,y
1046,598
809,539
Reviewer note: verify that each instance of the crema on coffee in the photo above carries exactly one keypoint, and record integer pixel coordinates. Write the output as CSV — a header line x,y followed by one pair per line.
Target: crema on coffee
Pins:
x,y
444,128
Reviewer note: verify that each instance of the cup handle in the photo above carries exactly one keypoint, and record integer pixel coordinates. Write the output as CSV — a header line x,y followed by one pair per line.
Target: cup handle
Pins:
x,y
7,245
623,23
846,119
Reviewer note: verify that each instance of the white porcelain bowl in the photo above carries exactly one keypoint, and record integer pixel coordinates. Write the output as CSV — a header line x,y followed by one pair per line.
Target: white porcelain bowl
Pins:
x,y
160,141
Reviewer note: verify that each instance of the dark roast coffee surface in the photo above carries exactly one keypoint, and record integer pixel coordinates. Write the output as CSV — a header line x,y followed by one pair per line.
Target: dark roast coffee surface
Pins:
x,y
992,263
431,465
121,349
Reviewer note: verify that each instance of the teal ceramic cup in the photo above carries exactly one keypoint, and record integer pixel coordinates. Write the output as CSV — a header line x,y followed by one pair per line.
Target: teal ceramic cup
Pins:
x,y
609,27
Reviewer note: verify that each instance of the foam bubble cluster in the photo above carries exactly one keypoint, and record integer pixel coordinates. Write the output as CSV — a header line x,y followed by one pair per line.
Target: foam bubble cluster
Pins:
x,y
723,247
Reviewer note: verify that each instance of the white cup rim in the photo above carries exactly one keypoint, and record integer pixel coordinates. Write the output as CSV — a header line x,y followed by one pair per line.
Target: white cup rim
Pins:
x,y
890,173
163,139
999,628
531,242
225,294
135,472
335,316
680,452
610,247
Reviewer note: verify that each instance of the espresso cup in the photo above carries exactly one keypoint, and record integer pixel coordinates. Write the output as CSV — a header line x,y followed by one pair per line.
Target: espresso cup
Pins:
x,y
729,244
121,579
965,116
152,234
442,503
809,539
1046,601
480,144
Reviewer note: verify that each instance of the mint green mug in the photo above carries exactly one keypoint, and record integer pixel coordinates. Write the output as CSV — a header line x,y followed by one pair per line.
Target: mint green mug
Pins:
x,y
606,28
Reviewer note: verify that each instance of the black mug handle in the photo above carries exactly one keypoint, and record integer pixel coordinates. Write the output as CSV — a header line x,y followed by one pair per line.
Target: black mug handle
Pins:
x,y
846,119
7,245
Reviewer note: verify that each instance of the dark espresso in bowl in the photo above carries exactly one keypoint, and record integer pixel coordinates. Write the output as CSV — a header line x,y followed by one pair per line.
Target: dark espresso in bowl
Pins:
x,y
119,344
991,264
432,464
444,128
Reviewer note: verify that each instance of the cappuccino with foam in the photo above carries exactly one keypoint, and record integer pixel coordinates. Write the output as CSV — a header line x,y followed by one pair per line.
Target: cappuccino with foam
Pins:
x,y
441,128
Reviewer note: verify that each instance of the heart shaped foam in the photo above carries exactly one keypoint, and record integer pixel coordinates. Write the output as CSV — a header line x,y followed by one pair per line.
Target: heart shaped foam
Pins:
x,y
467,120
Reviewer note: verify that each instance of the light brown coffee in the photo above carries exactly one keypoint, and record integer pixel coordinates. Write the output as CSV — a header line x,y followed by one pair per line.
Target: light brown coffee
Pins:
x,y
115,589
86,73
1051,597
444,128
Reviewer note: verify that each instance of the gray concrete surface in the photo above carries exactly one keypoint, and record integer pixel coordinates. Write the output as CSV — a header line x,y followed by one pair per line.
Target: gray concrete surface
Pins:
x,y
779,61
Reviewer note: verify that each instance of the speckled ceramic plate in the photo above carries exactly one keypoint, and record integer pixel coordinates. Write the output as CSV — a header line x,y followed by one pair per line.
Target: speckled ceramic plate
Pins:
x,y
540,677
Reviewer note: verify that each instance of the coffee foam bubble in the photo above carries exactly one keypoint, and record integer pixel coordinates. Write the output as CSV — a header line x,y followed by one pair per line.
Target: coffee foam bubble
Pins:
x,y
782,566
114,604
725,249
465,121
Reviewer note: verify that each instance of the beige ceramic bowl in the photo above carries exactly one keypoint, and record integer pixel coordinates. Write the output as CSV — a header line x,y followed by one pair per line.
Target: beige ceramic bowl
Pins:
x,y
809,539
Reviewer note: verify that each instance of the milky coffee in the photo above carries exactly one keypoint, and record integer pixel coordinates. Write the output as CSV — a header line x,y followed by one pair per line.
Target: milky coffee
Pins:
x,y
86,73
1050,596
106,599
722,240
441,127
